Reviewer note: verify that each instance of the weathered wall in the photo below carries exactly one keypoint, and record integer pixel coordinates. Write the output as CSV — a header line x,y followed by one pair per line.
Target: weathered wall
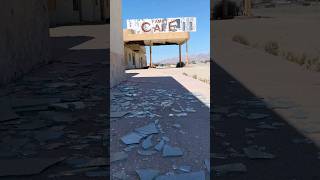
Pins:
x,y
91,10
24,37
140,59
117,65
62,12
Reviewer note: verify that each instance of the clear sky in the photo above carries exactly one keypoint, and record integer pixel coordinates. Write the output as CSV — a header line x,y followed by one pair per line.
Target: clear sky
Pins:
x,y
147,9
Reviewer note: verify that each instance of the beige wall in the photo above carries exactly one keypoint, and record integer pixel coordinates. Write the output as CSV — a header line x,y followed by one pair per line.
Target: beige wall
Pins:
x,y
24,37
117,64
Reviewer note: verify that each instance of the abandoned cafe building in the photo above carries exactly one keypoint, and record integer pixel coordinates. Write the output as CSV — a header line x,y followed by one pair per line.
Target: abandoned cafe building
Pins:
x,y
142,33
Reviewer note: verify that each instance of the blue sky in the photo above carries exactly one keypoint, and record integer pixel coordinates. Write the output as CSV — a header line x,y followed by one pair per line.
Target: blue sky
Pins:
x,y
143,9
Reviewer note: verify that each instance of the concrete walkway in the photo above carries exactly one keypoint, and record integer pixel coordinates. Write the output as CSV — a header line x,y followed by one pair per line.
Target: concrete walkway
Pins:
x,y
165,99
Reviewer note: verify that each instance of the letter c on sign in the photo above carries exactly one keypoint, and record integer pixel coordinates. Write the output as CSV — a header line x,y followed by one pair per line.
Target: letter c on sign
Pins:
x,y
144,28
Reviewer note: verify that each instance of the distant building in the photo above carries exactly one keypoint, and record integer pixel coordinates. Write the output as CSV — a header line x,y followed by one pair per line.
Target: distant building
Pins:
x,y
62,12
135,56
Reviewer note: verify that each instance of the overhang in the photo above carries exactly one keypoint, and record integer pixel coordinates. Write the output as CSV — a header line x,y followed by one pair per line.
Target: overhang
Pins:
x,y
169,38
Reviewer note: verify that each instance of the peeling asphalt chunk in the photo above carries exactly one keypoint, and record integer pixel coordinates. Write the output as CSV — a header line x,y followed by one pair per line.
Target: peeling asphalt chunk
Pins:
x,y
253,153
118,156
132,138
160,145
147,174
185,168
147,143
169,151
23,167
7,113
253,116
230,168
186,176
148,129
146,153
207,164
102,173
94,162
118,114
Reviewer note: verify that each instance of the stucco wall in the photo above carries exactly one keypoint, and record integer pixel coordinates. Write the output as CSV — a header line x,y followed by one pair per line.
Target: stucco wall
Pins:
x,y
91,11
64,13
24,37
117,65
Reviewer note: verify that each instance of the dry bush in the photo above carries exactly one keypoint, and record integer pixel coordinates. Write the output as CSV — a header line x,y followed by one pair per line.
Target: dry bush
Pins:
x,y
272,47
240,39
302,60
194,76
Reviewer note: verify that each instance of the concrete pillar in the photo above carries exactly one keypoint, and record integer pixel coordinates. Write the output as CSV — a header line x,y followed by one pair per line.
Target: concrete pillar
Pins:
x,y
150,56
187,58
180,59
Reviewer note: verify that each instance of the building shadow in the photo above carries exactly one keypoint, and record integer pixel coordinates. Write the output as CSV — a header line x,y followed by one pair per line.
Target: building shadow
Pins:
x,y
195,124
235,128
60,45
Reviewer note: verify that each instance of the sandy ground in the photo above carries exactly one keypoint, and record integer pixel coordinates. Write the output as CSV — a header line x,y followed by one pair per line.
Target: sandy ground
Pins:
x,y
271,76
148,91
202,71
296,29
284,91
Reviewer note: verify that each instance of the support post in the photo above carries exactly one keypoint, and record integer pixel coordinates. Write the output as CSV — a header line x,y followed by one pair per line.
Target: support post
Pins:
x,y
180,60
187,58
150,48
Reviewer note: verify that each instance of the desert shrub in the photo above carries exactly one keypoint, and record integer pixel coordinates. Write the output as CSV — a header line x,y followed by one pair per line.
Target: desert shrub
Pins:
x,y
272,47
302,60
317,67
240,39
290,56
306,4
270,5
195,76
179,65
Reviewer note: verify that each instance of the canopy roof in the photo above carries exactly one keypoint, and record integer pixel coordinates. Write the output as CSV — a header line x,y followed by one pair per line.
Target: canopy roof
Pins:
x,y
169,38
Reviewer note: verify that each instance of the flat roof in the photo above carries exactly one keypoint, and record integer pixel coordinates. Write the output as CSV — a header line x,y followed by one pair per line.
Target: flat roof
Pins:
x,y
158,39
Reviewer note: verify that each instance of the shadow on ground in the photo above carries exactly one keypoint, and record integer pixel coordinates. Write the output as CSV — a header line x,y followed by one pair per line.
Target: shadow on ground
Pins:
x,y
57,120
241,120
155,99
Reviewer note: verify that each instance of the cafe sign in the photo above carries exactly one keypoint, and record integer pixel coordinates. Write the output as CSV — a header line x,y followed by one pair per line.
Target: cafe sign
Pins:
x,y
162,25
